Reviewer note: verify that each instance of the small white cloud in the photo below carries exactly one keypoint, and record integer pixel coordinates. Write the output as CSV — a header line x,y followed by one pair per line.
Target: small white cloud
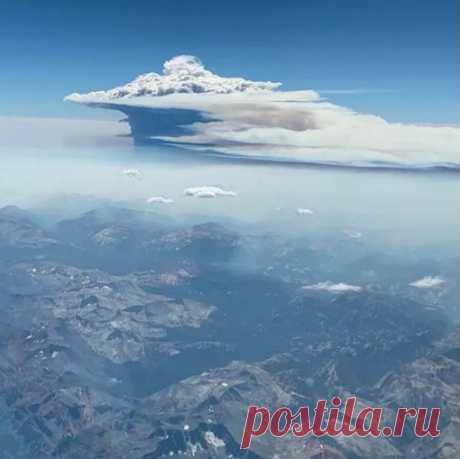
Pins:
x,y
159,200
428,282
133,173
303,211
353,234
329,286
205,194
208,192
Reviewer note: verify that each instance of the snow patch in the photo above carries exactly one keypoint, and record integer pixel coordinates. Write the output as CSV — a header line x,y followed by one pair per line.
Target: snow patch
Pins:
x,y
213,440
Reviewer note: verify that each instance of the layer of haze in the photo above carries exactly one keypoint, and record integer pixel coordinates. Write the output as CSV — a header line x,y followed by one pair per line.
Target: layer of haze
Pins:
x,y
411,206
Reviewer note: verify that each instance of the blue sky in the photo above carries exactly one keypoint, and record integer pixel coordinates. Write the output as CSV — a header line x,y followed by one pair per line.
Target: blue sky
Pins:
x,y
404,54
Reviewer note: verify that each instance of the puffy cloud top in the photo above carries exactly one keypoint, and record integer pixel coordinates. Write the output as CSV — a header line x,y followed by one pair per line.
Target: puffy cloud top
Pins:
x,y
181,75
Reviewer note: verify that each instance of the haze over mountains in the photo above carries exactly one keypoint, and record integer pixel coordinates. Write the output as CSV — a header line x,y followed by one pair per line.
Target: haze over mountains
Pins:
x,y
128,334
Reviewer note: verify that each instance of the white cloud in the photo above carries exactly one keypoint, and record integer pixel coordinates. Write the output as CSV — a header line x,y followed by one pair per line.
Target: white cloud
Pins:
x,y
181,74
303,211
247,118
132,173
353,234
428,282
329,286
159,200
208,192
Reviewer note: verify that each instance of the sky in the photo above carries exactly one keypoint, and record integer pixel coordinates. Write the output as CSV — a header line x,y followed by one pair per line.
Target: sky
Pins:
x,y
398,59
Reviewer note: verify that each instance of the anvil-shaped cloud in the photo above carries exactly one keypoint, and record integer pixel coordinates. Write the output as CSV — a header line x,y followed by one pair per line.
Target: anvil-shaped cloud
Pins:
x,y
190,106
